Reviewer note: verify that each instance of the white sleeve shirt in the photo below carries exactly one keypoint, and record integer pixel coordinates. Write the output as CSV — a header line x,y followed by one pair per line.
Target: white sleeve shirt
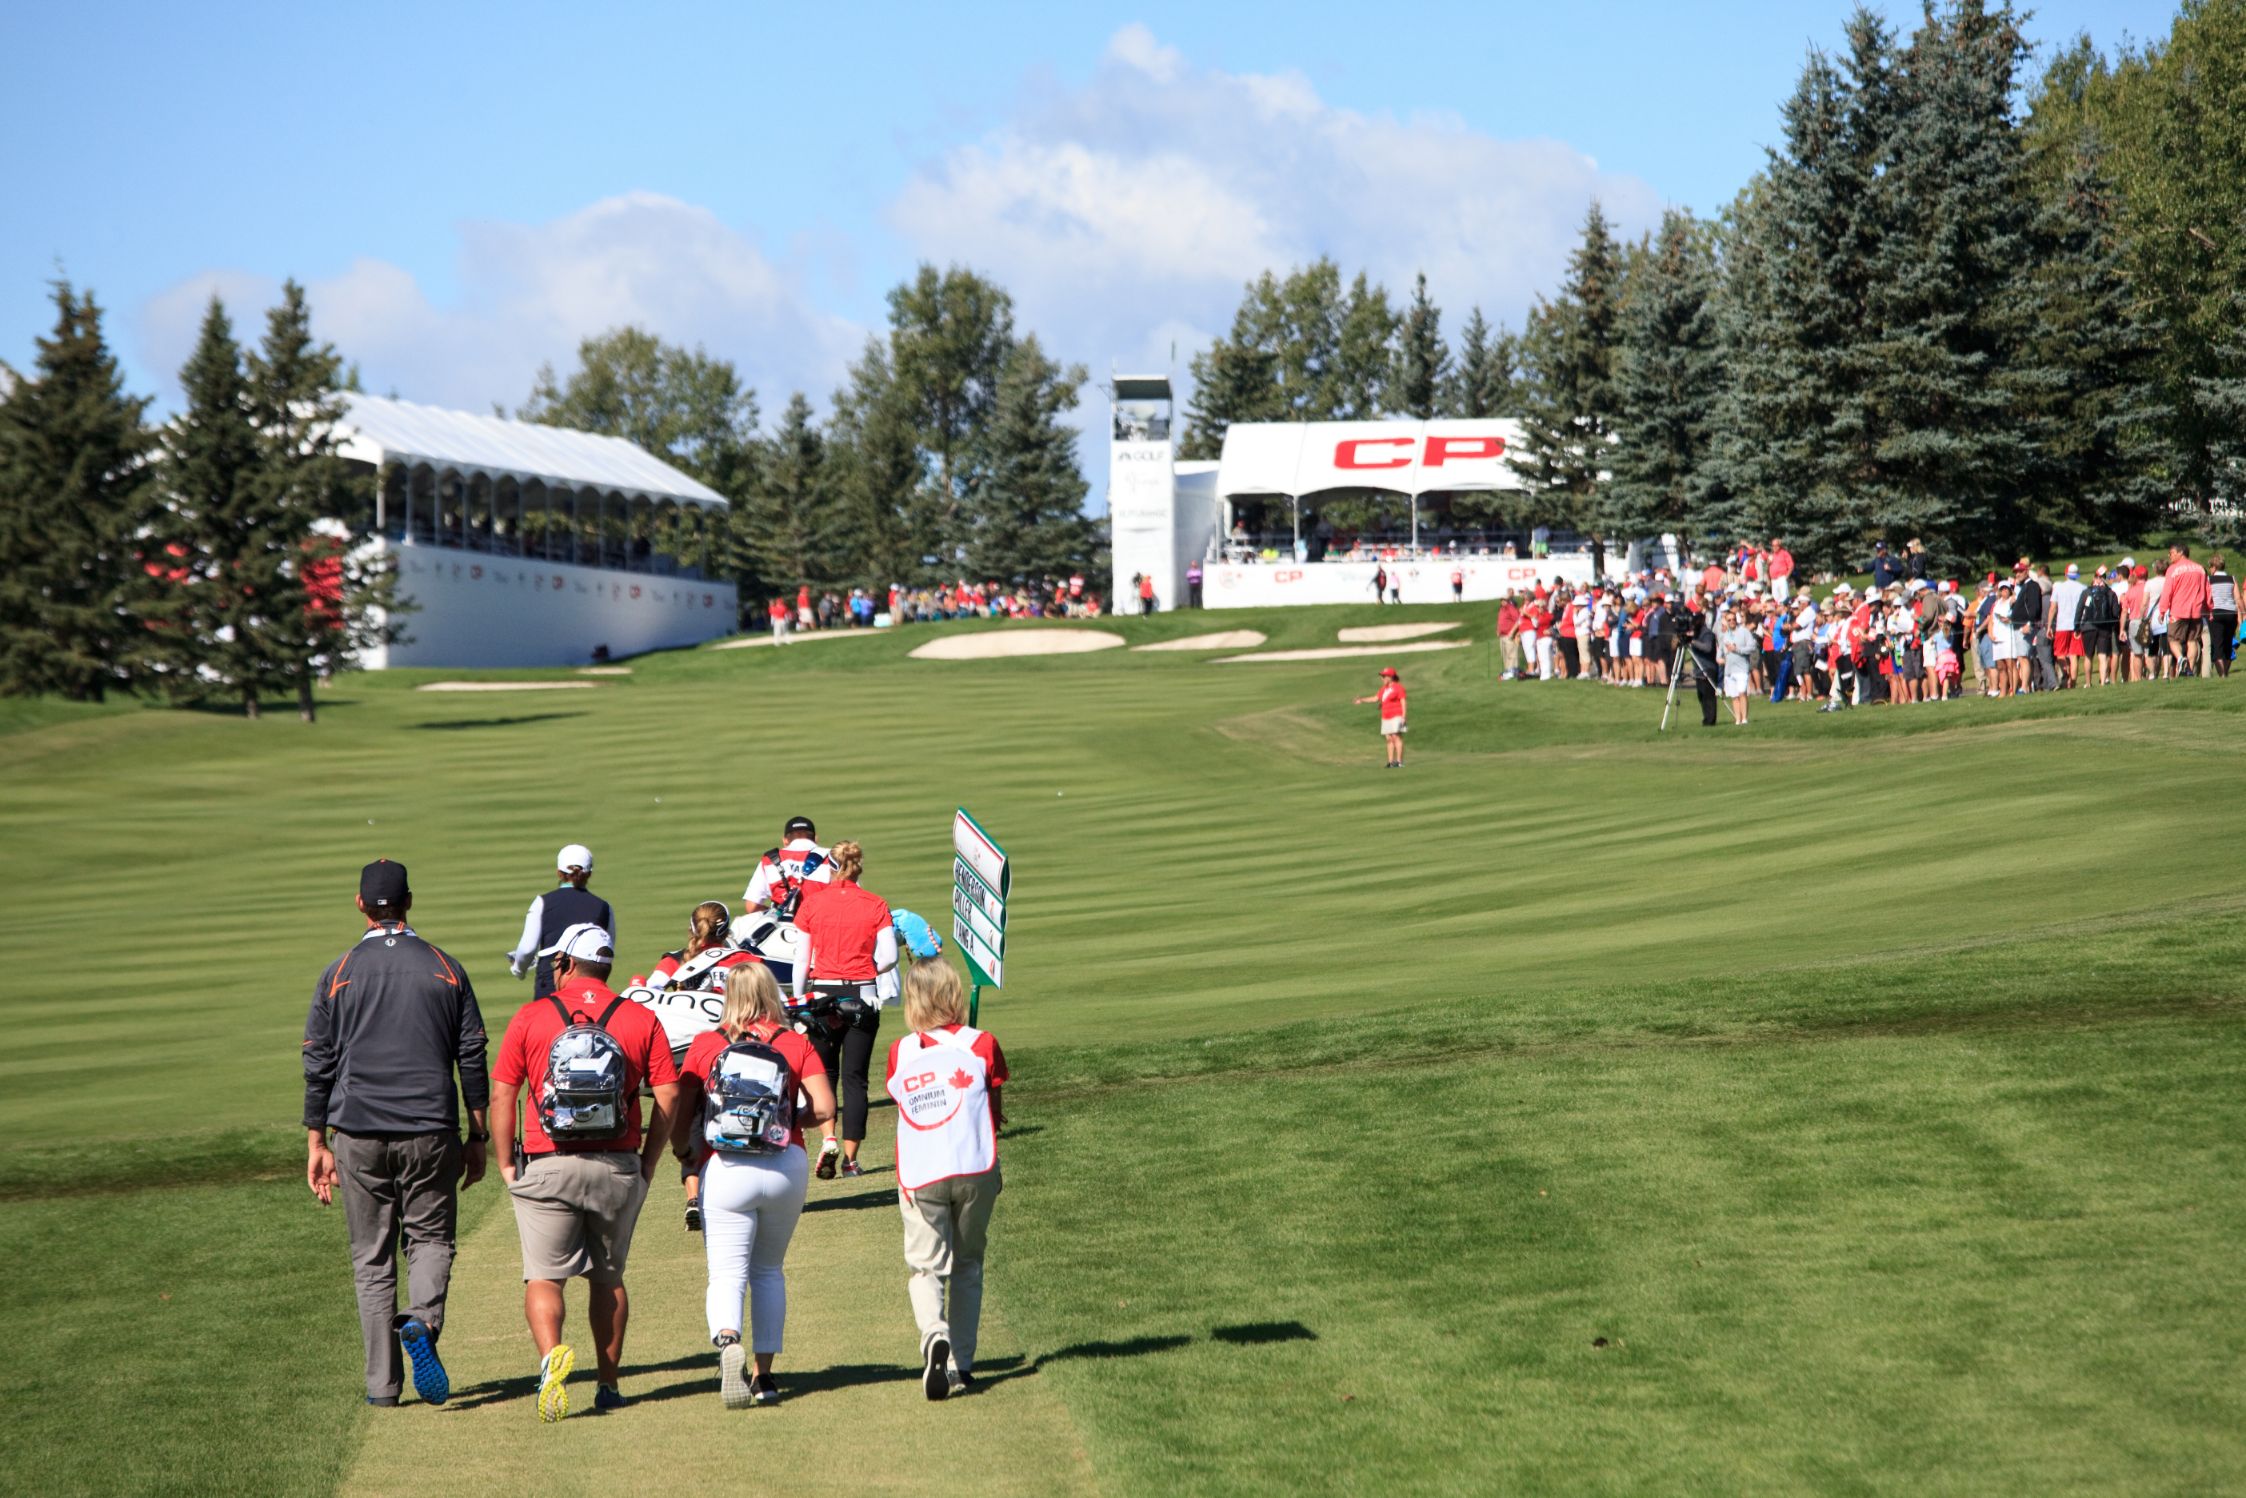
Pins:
x,y
533,924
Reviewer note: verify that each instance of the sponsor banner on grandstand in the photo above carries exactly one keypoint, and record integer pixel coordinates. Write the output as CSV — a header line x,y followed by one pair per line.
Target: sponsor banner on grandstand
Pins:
x,y
1237,585
1403,457
981,882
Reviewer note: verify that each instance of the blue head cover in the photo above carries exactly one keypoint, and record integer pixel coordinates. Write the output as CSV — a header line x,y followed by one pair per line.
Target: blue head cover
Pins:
x,y
918,937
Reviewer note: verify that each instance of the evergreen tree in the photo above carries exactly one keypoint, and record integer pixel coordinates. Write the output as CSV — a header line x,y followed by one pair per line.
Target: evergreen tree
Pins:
x,y
1568,388
2095,417
885,523
1668,374
1366,355
1482,381
328,601
1306,333
1796,439
789,525
240,547
1237,377
76,499
1029,502
1946,369
1423,366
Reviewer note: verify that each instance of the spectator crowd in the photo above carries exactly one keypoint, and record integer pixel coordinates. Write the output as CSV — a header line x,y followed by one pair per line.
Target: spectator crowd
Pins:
x,y
1741,628
862,608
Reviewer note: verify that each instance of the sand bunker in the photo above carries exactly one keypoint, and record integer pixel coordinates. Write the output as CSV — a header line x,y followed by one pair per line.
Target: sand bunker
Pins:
x,y
508,686
1340,652
806,637
997,642
604,670
1223,639
1369,632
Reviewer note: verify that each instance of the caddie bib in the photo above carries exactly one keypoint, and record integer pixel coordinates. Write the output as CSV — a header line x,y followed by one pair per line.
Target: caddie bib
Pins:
x,y
942,1091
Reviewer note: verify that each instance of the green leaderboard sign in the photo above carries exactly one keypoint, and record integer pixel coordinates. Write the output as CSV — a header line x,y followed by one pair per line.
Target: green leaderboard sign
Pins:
x,y
980,881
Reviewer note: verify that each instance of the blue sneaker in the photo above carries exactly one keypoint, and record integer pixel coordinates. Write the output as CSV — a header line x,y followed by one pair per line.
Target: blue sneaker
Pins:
x,y
608,1397
429,1378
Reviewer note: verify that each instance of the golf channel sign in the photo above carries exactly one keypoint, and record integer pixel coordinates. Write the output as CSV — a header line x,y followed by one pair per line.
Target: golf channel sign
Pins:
x,y
979,883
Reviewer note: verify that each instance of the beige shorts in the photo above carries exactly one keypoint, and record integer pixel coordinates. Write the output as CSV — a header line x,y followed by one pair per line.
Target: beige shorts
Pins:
x,y
1390,726
575,1214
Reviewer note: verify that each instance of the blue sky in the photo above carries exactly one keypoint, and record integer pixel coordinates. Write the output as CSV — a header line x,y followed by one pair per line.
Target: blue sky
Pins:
x,y
469,189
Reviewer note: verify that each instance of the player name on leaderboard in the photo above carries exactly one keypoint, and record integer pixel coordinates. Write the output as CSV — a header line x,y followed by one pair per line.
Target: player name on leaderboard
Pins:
x,y
980,883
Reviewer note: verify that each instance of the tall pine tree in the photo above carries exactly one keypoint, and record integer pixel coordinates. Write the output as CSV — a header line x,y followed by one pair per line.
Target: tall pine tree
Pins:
x,y
1668,374
1947,370
1423,365
789,524
1481,383
1029,501
2095,417
1568,388
76,503
239,546
886,528
329,600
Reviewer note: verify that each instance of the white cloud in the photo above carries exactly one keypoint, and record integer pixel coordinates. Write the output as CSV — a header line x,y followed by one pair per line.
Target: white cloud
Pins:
x,y
530,292
1122,211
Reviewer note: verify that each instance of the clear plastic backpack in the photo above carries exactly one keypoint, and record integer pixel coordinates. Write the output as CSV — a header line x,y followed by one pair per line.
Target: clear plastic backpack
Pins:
x,y
583,1096
749,1106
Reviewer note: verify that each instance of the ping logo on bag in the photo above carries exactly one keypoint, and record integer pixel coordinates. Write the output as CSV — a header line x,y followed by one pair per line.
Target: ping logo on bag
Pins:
x,y
586,1079
749,1106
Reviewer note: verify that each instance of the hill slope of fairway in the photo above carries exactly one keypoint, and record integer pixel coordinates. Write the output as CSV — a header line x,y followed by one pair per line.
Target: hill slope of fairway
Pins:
x,y
1839,1104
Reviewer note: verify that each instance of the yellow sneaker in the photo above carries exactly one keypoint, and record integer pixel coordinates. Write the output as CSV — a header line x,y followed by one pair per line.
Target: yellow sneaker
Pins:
x,y
553,1382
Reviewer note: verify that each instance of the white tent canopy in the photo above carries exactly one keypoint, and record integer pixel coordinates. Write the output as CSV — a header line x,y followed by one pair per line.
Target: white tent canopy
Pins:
x,y
376,430
1399,457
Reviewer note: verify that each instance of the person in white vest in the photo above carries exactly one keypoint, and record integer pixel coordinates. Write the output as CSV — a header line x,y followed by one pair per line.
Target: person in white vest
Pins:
x,y
945,1077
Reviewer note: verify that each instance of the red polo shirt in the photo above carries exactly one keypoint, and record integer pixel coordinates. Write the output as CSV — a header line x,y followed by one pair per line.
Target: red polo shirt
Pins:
x,y
841,921
521,1061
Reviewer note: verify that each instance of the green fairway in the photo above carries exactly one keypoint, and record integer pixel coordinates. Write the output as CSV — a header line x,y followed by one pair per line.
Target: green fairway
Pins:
x,y
1841,1104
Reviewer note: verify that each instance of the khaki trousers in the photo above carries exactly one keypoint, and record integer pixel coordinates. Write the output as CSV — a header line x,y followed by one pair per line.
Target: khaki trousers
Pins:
x,y
946,1225
397,1183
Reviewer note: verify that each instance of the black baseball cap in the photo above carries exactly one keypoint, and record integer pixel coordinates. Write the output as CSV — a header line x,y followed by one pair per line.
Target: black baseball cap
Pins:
x,y
799,824
383,882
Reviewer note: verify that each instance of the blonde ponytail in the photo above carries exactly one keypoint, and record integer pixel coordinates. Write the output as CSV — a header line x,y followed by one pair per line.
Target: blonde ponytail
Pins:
x,y
849,861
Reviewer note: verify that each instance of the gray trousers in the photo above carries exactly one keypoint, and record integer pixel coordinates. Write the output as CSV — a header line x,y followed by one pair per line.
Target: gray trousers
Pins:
x,y
398,1183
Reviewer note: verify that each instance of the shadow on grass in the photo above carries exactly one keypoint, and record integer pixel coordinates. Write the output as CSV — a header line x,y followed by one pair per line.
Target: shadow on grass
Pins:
x,y
501,1390
1258,1333
445,725
860,1202
793,1385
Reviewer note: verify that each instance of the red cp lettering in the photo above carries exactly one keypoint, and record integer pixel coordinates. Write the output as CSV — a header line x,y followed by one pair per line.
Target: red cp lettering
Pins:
x,y
914,1084
1441,449
1345,453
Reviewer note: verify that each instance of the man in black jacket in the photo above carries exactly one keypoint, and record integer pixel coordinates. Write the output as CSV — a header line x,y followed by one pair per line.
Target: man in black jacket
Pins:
x,y
391,1021
2098,620
2027,617
1707,658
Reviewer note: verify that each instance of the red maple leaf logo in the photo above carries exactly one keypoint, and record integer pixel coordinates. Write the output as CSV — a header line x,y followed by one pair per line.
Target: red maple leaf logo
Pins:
x,y
961,1080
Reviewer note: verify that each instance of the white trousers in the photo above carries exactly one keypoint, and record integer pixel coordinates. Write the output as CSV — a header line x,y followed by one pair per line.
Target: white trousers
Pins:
x,y
1546,650
750,1204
